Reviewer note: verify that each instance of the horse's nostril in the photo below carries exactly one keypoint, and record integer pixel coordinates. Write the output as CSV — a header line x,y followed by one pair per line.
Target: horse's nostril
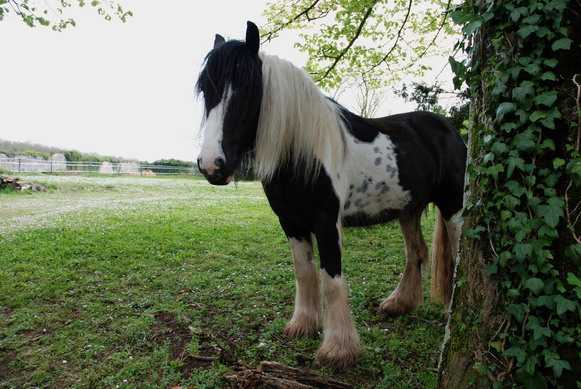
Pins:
x,y
219,162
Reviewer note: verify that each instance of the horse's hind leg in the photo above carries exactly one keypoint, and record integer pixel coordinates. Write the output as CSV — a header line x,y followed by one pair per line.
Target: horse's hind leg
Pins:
x,y
305,320
408,294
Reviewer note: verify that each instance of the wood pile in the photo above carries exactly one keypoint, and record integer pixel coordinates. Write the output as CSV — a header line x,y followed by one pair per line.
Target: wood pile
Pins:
x,y
276,375
16,184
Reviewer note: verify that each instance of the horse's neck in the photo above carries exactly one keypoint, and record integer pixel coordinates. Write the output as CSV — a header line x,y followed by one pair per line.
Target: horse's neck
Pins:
x,y
298,125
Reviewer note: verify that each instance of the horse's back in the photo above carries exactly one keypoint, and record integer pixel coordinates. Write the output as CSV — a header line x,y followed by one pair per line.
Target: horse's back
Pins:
x,y
431,155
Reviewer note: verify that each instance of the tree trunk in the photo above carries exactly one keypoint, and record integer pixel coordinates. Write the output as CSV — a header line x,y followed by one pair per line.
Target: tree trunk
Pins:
x,y
477,314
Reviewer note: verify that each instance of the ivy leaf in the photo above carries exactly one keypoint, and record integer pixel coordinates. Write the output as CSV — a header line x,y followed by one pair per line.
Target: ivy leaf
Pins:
x,y
499,148
534,284
548,76
513,162
503,109
550,214
518,12
558,162
564,305
576,282
521,92
537,115
472,27
561,44
524,141
517,353
558,365
527,30
547,98
573,280
552,62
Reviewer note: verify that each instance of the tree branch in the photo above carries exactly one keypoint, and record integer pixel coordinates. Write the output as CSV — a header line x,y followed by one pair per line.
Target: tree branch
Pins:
x,y
267,37
437,32
351,42
396,38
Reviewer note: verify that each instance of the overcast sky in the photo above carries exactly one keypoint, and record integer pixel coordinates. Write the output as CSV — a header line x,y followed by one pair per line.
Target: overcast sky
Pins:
x,y
122,89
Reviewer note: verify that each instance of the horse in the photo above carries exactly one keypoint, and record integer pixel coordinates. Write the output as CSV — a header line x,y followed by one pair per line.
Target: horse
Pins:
x,y
323,168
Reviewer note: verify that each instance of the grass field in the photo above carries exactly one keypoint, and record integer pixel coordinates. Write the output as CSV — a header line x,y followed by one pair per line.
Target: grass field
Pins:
x,y
122,282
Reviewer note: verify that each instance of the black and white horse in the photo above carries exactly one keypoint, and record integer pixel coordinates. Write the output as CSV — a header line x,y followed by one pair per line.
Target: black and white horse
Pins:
x,y
323,167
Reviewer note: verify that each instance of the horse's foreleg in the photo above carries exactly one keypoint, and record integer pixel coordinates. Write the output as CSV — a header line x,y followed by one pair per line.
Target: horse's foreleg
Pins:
x,y
408,294
340,347
305,320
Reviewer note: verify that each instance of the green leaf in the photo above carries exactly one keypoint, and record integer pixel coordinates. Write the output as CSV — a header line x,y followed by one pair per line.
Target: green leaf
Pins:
x,y
549,214
534,284
564,305
527,30
518,12
551,62
547,98
524,141
558,365
503,109
548,76
472,27
521,92
573,280
558,162
537,115
561,44
516,352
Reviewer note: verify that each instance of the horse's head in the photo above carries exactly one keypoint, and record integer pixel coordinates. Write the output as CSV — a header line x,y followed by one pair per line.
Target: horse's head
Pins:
x,y
231,84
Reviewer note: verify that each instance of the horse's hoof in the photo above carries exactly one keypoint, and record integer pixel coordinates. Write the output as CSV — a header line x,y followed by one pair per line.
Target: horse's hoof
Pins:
x,y
338,355
301,327
393,307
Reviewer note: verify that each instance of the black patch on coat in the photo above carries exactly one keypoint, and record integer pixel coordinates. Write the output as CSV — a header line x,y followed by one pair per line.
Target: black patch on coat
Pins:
x,y
305,208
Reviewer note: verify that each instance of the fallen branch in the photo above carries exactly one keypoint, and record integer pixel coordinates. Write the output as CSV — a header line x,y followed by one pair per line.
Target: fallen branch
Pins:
x,y
275,375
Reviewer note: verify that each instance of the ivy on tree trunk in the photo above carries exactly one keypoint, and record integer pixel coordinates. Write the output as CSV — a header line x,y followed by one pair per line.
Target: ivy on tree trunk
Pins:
x,y
514,320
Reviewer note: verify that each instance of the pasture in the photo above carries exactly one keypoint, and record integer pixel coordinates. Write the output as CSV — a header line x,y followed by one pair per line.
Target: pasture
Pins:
x,y
128,281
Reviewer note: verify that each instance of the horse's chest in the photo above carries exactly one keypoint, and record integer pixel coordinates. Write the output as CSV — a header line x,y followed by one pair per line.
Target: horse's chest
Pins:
x,y
372,180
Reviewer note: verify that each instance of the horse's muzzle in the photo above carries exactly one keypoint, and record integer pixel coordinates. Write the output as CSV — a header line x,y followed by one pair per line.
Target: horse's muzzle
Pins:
x,y
218,174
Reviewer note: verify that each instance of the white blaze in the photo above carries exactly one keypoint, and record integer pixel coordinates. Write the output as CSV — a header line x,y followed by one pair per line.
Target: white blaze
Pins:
x,y
213,133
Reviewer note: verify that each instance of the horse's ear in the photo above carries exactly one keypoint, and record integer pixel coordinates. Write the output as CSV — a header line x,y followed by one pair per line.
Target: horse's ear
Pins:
x,y
252,37
219,40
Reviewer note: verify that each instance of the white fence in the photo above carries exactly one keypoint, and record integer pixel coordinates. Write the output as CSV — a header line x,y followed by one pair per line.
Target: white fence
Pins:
x,y
37,165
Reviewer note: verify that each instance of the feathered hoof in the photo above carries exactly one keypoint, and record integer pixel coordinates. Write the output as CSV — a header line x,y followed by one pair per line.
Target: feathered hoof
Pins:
x,y
393,307
339,355
303,326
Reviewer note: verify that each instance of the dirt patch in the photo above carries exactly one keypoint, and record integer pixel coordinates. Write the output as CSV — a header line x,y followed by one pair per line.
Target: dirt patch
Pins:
x,y
168,329
6,357
6,312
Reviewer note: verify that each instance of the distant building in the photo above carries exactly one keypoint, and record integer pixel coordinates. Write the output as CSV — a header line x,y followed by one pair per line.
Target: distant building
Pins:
x,y
131,168
106,168
58,162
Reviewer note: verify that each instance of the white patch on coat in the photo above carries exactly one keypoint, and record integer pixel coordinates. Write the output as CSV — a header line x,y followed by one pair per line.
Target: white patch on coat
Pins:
x,y
305,318
213,133
340,339
369,181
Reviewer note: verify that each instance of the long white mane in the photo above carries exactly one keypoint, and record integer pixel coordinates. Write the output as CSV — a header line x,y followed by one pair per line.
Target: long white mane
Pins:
x,y
297,123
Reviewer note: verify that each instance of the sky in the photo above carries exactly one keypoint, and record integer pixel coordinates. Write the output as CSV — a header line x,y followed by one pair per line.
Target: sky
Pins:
x,y
125,89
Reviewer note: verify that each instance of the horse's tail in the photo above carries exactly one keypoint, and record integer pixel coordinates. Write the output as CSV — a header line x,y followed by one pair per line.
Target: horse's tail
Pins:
x,y
442,263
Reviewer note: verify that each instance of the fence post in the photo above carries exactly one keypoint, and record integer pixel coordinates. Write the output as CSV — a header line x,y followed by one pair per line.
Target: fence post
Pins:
x,y
19,165
51,166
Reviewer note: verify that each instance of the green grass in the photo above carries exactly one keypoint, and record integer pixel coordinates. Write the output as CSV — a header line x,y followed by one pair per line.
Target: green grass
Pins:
x,y
127,294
